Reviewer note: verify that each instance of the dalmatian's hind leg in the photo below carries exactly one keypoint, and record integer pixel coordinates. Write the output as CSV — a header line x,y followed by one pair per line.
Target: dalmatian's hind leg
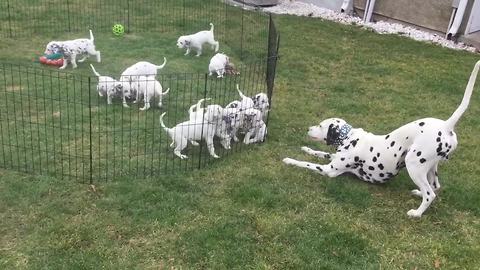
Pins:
x,y
418,167
432,177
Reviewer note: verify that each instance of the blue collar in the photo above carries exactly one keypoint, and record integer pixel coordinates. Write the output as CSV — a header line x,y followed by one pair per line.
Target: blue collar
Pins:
x,y
344,130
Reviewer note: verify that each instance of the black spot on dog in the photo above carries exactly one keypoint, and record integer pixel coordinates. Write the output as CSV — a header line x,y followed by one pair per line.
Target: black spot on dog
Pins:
x,y
404,153
371,168
394,155
380,166
354,143
419,153
406,138
374,159
400,149
428,193
347,166
319,168
421,124
371,149
439,133
327,156
422,160
378,154
356,158
392,143
342,159
331,166
388,136
382,175
438,139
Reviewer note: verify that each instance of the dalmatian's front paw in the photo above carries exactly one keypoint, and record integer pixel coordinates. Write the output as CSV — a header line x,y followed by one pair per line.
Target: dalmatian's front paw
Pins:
x,y
413,213
215,156
288,161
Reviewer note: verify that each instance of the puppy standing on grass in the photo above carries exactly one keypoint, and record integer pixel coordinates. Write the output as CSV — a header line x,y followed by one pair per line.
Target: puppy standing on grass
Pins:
x,y
142,68
111,88
223,125
70,49
196,41
218,64
419,146
194,131
254,126
150,88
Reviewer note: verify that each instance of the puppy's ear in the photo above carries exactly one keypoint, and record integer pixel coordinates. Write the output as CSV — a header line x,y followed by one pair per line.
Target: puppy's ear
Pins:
x,y
187,42
333,134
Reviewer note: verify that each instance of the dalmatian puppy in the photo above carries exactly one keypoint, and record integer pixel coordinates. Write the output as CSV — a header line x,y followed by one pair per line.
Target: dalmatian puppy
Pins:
x,y
70,49
256,130
260,102
150,88
142,68
243,104
223,126
194,131
419,146
218,64
196,41
111,88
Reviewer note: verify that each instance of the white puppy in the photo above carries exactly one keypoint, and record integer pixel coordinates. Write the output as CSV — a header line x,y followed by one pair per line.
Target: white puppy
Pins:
x,y
141,68
70,49
196,41
223,125
218,64
193,131
150,88
111,88
254,126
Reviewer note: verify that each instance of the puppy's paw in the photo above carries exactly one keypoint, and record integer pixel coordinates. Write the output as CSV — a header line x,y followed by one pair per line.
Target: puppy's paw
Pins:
x,y
215,156
288,161
183,157
125,105
416,192
194,143
413,213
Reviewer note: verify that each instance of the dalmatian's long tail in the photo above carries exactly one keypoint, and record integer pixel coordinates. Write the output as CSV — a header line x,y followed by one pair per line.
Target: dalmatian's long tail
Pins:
x,y
91,36
211,27
94,71
452,121
168,130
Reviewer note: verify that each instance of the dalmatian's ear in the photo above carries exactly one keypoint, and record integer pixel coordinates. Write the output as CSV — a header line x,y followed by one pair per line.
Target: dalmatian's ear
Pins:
x,y
333,134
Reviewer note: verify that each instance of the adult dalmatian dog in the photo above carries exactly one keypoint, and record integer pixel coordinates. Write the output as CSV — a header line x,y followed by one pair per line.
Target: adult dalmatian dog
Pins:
x,y
419,146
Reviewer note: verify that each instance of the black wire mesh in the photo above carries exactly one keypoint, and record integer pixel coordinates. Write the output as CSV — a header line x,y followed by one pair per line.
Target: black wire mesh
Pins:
x,y
56,123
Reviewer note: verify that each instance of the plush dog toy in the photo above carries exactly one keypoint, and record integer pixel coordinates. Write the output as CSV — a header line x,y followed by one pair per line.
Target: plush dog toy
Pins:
x,y
55,59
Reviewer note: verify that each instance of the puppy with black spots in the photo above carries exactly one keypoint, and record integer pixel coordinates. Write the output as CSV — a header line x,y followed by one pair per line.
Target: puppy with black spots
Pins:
x,y
419,146
70,49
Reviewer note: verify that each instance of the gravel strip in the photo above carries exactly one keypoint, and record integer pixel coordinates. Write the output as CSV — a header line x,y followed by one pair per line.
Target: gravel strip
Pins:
x,y
381,27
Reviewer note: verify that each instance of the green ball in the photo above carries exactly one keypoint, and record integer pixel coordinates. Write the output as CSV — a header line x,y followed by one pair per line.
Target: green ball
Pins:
x,y
118,29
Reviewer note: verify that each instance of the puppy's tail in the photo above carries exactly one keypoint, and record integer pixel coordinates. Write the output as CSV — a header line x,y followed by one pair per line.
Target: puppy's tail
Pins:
x,y
240,92
197,106
91,36
168,130
164,63
211,27
452,121
94,71
166,92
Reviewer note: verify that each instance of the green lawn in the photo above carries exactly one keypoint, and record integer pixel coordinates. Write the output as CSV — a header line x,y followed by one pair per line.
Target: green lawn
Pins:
x,y
248,210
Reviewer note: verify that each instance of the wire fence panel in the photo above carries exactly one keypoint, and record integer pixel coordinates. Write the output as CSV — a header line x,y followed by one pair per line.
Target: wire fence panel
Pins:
x,y
70,125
